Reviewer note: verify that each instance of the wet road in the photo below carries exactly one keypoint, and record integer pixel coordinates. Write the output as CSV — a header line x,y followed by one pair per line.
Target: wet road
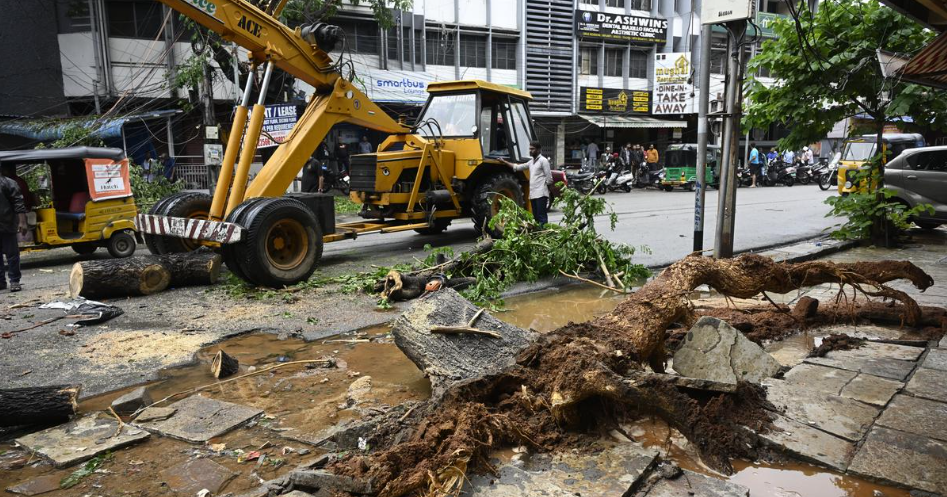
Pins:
x,y
662,221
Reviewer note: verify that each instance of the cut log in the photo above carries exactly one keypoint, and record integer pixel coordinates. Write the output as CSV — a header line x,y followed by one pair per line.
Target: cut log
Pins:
x,y
400,286
37,405
447,358
201,267
118,278
224,365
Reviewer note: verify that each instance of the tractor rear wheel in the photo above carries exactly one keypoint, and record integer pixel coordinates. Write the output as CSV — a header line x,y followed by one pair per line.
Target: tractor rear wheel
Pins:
x,y
486,202
282,243
189,205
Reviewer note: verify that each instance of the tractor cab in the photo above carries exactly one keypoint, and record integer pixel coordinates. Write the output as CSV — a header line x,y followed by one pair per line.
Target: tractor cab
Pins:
x,y
495,115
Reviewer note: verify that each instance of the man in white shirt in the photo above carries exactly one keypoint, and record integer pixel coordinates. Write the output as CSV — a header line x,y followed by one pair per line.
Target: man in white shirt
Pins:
x,y
540,177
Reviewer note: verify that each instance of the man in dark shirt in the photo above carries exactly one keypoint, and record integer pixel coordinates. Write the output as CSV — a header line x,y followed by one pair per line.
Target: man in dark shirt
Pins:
x,y
12,219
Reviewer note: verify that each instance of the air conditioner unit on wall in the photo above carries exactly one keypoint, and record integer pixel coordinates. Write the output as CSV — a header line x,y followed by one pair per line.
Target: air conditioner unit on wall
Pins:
x,y
719,11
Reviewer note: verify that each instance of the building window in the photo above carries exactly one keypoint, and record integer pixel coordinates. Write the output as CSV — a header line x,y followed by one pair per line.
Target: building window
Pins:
x,y
440,48
134,19
588,61
613,61
504,54
620,4
473,50
73,16
589,2
640,4
361,36
418,44
771,6
638,64
718,56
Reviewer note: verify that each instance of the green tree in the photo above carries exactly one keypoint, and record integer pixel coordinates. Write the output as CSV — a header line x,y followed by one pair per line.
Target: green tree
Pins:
x,y
826,69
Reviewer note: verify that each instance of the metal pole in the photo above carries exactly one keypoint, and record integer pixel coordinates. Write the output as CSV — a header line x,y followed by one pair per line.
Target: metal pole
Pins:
x,y
703,107
726,204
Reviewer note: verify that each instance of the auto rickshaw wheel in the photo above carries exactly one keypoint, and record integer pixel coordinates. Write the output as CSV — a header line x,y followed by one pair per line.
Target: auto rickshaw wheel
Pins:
x,y
691,187
188,205
486,202
121,244
283,243
84,248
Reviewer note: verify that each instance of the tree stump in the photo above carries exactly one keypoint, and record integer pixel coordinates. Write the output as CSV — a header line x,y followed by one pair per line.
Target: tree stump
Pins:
x,y
118,278
37,405
224,365
201,267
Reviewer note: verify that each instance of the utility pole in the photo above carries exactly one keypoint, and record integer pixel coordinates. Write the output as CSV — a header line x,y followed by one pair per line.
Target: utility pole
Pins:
x,y
726,205
703,104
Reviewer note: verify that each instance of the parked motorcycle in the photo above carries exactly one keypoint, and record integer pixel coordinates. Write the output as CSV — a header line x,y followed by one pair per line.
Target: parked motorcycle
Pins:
x,y
614,178
804,172
744,177
778,172
583,180
333,179
647,177
828,174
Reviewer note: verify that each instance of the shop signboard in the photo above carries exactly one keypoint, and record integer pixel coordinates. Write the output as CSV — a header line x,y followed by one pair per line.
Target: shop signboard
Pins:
x,y
673,93
409,87
620,27
279,121
614,101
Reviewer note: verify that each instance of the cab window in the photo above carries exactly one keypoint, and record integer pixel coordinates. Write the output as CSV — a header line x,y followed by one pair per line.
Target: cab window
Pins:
x,y
858,151
455,114
521,128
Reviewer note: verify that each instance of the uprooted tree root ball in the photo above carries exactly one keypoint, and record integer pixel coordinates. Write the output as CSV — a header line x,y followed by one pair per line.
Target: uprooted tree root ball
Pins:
x,y
567,381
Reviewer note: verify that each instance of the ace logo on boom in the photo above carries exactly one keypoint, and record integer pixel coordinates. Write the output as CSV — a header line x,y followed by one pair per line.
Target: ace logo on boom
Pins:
x,y
250,26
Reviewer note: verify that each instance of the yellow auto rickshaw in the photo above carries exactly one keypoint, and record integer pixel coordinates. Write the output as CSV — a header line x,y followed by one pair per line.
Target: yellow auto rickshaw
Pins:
x,y
857,151
81,197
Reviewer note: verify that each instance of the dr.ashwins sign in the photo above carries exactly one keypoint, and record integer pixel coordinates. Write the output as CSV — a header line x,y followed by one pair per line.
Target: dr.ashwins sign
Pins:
x,y
618,27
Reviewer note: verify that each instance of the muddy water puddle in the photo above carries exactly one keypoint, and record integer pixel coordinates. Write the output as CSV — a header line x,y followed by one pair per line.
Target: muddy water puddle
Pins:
x,y
764,479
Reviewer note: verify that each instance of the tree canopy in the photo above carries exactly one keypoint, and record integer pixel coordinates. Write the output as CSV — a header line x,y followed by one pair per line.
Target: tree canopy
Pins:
x,y
826,69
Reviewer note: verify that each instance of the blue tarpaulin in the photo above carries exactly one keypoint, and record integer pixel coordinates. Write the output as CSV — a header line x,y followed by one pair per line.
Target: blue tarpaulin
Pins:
x,y
49,130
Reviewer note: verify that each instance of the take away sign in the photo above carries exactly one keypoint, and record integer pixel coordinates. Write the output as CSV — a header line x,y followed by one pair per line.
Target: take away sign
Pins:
x,y
107,179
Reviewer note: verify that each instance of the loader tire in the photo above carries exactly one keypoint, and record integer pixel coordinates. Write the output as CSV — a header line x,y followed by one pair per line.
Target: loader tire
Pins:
x,y
486,204
227,250
282,243
189,205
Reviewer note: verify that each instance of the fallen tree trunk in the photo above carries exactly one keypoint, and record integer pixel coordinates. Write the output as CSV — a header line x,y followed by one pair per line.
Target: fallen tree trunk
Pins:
x,y
573,377
37,405
201,267
118,278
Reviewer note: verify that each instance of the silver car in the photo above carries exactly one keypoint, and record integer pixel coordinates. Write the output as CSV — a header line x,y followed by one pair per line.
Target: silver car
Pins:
x,y
919,176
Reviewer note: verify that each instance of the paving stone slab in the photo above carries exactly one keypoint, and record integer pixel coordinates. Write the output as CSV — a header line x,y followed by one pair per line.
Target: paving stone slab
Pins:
x,y
936,359
611,471
197,419
893,369
871,389
915,415
190,477
37,486
943,343
809,444
714,350
698,485
929,383
80,440
902,459
839,416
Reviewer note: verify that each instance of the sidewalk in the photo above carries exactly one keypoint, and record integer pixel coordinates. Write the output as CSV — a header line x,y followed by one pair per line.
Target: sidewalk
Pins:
x,y
878,411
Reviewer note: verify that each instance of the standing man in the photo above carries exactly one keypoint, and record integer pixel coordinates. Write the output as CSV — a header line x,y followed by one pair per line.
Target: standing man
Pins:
x,y
364,147
626,157
540,177
807,156
756,166
651,156
12,220
592,153
789,157
342,155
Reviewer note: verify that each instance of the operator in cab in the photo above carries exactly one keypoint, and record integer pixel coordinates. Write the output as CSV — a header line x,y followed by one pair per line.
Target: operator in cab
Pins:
x,y
540,178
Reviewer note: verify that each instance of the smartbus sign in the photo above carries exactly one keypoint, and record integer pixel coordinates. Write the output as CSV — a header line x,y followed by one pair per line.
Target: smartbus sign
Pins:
x,y
618,27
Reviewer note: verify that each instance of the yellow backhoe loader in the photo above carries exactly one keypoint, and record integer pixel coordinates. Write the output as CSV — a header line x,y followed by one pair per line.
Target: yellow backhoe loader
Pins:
x,y
444,167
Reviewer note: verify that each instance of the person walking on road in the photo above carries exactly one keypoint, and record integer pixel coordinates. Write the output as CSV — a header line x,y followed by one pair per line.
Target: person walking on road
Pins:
x,y
12,221
540,177
756,164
